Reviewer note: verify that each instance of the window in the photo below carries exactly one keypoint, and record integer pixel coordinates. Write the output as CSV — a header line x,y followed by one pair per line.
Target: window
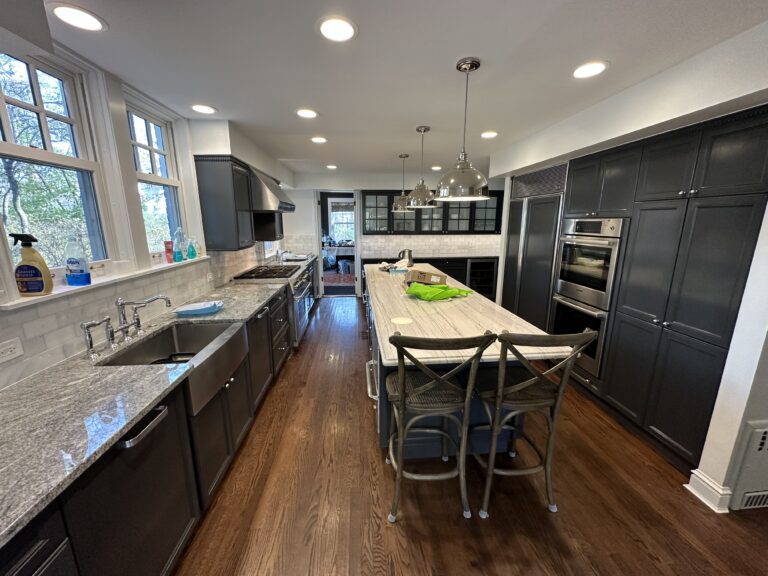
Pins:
x,y
46,187
341,219
158,189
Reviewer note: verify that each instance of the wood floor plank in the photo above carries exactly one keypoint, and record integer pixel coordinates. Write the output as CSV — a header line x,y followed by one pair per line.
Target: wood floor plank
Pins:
x,y
309,493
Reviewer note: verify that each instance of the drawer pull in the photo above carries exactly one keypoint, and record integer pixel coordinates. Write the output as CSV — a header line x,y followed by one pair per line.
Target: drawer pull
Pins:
x,y
162,412
263,313
369,381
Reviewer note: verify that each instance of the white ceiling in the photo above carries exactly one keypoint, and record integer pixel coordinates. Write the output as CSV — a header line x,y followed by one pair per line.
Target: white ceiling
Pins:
x,y
257,61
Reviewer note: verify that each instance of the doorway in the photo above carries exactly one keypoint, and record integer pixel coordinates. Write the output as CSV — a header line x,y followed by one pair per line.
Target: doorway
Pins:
x,y
338,232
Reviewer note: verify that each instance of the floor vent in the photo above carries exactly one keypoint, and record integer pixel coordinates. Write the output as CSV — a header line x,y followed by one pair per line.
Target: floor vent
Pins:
x,y
755,500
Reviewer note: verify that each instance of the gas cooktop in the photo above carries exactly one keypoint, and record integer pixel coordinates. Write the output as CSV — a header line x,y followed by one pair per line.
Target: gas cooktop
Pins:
x,y
269,272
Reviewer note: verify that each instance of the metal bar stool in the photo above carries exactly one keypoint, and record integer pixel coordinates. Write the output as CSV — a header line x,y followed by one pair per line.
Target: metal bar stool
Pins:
x,y
522,389
423,393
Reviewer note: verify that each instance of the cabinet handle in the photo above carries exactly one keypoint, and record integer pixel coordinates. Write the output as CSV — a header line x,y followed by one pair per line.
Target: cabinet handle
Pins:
x,y
682,193
162,412
692,192
263,313
665,324
373,394
655,320
229,382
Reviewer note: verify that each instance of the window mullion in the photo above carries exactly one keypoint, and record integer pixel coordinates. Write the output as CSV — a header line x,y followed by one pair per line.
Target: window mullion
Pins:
x,y
40,108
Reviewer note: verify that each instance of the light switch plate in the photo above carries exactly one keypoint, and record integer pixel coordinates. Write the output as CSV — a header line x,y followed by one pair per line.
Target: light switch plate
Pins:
x,y
10,350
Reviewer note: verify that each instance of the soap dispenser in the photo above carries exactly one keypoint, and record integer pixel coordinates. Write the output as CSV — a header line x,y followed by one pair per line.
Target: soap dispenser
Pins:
x,y
33,277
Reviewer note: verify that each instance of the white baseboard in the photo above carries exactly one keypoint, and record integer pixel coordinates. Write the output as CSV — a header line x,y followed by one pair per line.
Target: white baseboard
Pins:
x,y
714,495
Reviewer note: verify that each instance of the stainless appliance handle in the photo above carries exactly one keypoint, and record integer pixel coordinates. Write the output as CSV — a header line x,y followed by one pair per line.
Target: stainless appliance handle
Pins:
x,y
589,312
162,412
263,313
304,292
581,240
369,382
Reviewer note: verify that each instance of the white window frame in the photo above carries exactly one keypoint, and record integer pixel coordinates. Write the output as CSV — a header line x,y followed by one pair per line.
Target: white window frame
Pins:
x,y
79,117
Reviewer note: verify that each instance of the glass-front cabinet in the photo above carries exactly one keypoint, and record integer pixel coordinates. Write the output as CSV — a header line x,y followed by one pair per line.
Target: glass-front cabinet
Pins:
x,y
447,218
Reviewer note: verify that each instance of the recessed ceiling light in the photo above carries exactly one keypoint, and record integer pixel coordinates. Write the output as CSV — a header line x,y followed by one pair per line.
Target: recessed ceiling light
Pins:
x,y
204,109
331,166
590,69
337,28
319,139
437,168
488,134
306,113
78,17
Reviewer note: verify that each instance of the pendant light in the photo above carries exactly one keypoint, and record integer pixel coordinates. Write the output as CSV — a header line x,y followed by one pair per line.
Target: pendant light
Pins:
x,y
463,183
401,202
421,196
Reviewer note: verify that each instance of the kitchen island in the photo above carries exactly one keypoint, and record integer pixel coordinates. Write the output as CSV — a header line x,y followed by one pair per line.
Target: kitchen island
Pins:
x,y
391,310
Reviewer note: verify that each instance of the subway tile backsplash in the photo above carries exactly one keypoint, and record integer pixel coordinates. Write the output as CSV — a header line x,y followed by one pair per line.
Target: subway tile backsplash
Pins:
x,y
50,331
429,246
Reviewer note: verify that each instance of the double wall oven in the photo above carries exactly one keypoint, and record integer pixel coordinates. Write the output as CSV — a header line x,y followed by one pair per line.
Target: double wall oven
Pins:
x,y
586,268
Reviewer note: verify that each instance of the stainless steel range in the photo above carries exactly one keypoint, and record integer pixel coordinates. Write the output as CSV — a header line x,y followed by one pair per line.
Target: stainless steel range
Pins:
x,y
302,282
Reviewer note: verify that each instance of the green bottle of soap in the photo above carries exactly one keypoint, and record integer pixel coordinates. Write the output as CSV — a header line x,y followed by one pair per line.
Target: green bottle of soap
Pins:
x,y
33,277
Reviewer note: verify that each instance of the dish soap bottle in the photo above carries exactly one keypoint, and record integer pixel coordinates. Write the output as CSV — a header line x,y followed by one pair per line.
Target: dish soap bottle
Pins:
x,y
178,245
78,273
33,277
191,249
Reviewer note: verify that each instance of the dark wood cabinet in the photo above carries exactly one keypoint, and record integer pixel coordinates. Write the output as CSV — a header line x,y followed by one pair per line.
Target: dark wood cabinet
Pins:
x,y
666,170
260,355
237,396
224,185
603,185
445,218
713,262
733,158
633,347
133,511
281,347
211,446
683,392
582,188
650,258
40,549
481,276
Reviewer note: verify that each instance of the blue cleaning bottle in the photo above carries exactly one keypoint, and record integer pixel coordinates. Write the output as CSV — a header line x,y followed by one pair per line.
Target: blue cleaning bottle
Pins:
x,y
78,271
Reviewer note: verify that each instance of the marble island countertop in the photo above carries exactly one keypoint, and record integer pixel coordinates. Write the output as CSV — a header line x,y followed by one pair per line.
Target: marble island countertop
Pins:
x,y
395,311
56,423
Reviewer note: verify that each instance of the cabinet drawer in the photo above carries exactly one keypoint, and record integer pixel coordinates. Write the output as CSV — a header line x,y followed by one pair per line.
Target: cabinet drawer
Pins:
x,y
32,548
278,313
280,349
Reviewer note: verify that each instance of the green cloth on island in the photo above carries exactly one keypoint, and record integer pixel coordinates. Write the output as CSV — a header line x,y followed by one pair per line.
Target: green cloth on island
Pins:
x,y
430,292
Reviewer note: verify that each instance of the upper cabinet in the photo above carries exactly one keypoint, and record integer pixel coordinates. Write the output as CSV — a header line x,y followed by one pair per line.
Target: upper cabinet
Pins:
x,y
445,218
603,185
733,158
666,171
224,185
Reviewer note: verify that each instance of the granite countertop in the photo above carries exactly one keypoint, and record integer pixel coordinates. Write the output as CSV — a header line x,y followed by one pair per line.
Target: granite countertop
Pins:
x,y
56,423
395,311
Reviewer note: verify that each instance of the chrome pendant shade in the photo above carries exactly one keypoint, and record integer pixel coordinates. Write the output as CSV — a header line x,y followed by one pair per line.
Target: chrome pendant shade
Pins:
x,y
463,183
421,196
401,202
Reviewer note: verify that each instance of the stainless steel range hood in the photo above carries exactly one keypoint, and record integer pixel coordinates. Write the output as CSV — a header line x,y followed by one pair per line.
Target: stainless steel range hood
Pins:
x,y
266,195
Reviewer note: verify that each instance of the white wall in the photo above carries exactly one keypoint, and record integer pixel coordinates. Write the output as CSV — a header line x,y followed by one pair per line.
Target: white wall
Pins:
x,y
725,78
25,28
302,222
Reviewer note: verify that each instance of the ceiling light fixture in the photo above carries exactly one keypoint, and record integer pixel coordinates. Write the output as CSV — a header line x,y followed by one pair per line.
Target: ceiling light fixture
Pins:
x,y
436,168
488,134
338,28
463,183
319,139
204,109
78,17
306,113
401,202
421,196
331,166
590,69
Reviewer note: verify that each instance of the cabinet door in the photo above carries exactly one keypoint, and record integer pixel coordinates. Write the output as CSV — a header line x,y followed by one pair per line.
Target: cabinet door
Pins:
x,y
650,259
733,159
211,446
403,222
514,245
280,349
239,406
61,563
40,544
458,217
133,510
481,276
244,228
666,171
715,254
260,355
217,204
486,218
377,208
631,354
430,220
582,189
535,294
278,313
619,179
241,180
685,385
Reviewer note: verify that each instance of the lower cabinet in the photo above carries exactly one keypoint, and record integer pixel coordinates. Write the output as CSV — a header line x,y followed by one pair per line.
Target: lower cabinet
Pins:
x,y
239,406
132,512
260,355
40,549
281,346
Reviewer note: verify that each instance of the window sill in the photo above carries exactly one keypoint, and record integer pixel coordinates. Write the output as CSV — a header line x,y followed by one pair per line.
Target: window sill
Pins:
x,y
98,282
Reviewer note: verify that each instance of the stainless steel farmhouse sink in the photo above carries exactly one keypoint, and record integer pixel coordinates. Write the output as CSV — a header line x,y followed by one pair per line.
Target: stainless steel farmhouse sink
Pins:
x,y
213,350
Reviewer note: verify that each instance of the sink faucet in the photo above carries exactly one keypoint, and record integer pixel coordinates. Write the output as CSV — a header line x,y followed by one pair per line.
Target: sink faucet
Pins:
x,y
123,326
110,333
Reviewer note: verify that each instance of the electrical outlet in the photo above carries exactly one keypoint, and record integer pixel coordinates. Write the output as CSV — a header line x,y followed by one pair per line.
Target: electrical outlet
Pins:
x,y
10,350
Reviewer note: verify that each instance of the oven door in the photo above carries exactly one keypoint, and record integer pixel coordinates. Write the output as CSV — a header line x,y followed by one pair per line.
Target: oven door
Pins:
x,y
586,269
571,317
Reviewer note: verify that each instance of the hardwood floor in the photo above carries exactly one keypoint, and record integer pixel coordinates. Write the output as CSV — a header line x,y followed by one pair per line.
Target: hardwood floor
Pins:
x,y
309,493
